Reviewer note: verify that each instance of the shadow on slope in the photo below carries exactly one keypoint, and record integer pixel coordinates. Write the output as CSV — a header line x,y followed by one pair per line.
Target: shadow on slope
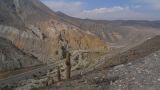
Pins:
x,y
12,58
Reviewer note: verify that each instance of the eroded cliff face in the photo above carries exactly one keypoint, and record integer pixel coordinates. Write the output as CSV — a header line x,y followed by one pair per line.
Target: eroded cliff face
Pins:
x,y
35,29
12,58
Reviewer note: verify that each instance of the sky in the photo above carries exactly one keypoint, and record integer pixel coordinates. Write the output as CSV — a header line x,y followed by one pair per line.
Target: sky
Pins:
x,y
108,9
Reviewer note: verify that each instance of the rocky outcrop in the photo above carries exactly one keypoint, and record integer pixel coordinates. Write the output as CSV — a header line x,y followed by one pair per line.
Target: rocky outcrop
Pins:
x,y
141,74
12,58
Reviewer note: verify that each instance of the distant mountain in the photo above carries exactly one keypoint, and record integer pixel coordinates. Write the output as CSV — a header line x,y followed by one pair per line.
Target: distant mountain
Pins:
x,y
117,32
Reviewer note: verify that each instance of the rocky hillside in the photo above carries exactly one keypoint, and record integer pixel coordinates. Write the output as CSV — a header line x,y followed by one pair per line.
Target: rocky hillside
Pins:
x,y
37,30
141,74
118,32
146,48
12,58
31,34
134,69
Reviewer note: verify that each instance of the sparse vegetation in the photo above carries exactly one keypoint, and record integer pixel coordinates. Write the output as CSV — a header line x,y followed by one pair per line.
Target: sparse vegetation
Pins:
x,y
58,73
68,65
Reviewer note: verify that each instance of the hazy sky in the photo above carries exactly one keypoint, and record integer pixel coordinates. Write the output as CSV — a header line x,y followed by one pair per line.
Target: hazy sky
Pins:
x,y
108,9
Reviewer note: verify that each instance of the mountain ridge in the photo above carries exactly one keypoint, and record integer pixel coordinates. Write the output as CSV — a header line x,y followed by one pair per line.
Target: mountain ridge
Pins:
x,y
35,29
117,32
